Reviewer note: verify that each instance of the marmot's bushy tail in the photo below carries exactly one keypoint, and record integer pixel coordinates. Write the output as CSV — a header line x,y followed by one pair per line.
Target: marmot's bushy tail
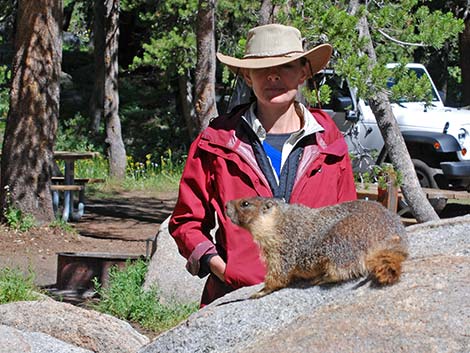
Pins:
x,y
385,265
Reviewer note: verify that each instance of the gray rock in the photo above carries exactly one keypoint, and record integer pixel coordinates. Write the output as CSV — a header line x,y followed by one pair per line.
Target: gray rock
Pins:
x,y
168,273
428,310
84,328
13,340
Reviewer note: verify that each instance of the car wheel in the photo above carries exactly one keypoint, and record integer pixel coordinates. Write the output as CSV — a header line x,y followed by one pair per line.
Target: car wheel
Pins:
x,y
426,180
425,174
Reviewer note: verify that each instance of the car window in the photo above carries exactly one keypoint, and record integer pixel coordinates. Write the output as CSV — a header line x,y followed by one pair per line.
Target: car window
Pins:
x,y
419,74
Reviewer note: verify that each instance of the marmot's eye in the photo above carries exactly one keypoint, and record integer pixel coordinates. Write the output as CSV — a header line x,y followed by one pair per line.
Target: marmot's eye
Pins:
x,y
245,204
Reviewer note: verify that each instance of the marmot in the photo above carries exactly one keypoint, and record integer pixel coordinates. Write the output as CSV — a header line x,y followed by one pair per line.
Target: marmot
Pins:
x,y
324,245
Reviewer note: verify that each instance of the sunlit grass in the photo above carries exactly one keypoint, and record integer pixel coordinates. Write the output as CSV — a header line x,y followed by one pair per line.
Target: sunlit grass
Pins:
x,y
126,299
16,286
154,174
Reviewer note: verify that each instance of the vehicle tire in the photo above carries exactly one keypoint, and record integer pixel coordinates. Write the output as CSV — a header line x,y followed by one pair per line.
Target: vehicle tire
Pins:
x,y
426,180
425,174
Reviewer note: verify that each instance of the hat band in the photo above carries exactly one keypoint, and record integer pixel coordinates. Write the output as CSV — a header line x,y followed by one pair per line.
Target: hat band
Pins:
x,y
271,54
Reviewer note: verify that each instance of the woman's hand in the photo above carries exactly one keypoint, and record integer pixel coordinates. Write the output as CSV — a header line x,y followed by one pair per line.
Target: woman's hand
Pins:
x,y
217,266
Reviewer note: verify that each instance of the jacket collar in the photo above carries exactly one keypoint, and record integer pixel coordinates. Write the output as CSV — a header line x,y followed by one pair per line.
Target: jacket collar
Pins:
x,y
226,131
309,123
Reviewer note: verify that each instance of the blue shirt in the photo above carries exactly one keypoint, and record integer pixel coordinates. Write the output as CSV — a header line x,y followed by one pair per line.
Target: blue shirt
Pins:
x,y
273,147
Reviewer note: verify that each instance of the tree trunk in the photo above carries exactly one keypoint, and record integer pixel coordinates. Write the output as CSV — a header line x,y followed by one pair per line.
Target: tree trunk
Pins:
x,y
464,45
186,98
97,96
398,153
266,12
116,150
67,16
205,68
393,139
27,155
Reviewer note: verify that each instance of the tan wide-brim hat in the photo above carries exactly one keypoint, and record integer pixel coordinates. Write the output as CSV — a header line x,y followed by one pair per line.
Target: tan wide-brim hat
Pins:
x,y
274,44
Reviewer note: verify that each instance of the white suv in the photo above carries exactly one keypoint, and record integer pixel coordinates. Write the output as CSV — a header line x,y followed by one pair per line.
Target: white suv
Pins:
x,y
437,137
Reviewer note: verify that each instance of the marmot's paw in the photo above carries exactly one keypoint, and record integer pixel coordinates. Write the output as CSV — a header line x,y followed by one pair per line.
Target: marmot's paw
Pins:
x,y
318,281
261,293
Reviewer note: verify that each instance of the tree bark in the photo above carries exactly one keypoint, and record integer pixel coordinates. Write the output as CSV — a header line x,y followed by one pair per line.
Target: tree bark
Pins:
x,y
67,16
186,99
464,45
27,155
266,12
116,149
393,139
205,68
97,97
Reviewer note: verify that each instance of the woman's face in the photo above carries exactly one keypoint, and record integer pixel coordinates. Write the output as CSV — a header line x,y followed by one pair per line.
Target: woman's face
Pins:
x,y
276,85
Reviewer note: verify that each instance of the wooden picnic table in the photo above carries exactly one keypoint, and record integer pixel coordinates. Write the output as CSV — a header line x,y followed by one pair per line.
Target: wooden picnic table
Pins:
x,y
68,184
370,192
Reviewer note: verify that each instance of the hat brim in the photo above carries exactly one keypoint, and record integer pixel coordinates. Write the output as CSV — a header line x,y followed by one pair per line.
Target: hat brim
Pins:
x,y
317,56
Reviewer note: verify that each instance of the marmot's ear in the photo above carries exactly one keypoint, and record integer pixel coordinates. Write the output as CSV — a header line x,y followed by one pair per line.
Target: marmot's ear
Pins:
x,y
267,205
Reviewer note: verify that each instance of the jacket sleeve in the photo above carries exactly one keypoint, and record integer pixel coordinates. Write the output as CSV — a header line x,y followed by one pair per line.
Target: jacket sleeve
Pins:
x,y
192,218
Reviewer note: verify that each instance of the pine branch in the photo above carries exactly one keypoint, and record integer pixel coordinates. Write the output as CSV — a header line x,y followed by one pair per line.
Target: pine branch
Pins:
x,y
399,42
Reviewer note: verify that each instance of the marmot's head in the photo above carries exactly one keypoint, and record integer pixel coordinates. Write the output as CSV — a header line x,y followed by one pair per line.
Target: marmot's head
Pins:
x,y
244,212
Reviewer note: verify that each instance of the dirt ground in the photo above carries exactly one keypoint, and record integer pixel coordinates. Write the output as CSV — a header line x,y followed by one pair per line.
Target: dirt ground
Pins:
x,y
117,225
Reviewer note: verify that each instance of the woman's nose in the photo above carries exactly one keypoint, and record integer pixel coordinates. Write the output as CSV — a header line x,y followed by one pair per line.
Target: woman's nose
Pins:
x,y
273,75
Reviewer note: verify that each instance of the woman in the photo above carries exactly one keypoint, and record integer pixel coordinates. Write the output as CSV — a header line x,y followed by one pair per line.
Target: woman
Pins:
x,y
273,147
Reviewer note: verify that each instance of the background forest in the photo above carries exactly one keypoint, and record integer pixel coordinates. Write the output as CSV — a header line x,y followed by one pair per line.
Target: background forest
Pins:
x,y
157,50
168,83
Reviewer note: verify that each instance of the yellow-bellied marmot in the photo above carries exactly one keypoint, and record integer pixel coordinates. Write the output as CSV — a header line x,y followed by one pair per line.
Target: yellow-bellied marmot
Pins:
x,y
324,245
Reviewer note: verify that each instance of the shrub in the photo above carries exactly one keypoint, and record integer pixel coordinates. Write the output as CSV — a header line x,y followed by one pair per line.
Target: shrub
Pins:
x,y
15,286
125,298
17,219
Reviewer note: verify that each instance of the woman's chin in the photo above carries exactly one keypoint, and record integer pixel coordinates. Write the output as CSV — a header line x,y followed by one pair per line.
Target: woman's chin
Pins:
x,y
281,100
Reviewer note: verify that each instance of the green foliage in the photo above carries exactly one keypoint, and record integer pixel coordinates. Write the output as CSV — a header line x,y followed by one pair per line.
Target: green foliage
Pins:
x,y
72,135
97,167
151,120
126,299
59,223
233,20
171,46
318,96
159,175
381,175
408,88
391,24
15,286
5,76
17,219
456,73
150,168
79,22
386,174
172,43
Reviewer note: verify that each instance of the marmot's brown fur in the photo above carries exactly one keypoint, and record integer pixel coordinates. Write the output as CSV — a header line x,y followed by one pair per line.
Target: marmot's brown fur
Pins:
x,y
324,245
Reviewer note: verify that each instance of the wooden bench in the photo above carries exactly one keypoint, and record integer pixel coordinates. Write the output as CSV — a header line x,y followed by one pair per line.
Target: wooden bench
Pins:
x,y
80,181
79,186
68,210
370,192
60,187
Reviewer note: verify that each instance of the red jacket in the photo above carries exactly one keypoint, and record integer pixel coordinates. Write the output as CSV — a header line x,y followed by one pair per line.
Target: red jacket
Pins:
x,y
221,167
